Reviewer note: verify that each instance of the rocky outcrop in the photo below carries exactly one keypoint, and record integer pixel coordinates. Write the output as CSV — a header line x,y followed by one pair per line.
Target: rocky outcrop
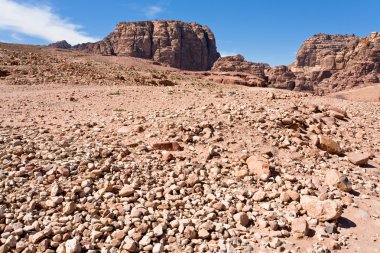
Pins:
x,y
237,63
235,69
327,63
63,44
187,46
324,63
281,77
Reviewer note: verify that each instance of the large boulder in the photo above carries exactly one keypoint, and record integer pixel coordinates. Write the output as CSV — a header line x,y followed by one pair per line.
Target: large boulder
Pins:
x,y
182,45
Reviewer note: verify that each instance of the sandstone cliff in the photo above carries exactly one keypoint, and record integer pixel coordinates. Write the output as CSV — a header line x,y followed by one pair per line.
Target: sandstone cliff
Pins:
x,y
324,63
182,45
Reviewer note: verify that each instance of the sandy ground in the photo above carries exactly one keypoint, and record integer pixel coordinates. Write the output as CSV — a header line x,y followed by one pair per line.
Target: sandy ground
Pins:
x,y
111,107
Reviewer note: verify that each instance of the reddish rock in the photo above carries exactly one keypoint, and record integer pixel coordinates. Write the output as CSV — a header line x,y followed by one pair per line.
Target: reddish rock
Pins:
x,y
168,146
259,166
188,46
166,156
329,145
327,63
359,158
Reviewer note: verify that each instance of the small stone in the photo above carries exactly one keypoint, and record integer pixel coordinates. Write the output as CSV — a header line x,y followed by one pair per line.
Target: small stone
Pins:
x,y
95,235
55,190
203,234
166,156
330,229
259,196
242,219
145,240
329,145
190,233
126,191
158,230
347,200
129,244
158,248
136,213
295,196
73,246
40,235
300,228
241,173
4,248
358,158
192,180
335,179
69,208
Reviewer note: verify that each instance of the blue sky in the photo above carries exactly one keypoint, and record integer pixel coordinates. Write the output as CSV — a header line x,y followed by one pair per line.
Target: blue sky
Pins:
x,y
268,31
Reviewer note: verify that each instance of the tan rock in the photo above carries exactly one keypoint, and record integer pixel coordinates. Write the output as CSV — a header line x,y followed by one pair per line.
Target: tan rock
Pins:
x,y
130,245
166,156
322,210
73,246
259,195
203,234
358,158
300,228
241,173
295,196
190,233
335,179
69,208
126,191
192,180
329,145
242,219
259,167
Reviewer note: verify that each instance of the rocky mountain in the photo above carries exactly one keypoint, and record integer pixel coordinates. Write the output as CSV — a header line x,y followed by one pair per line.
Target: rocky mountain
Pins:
x,y
63,44
182,45
324,63
327,63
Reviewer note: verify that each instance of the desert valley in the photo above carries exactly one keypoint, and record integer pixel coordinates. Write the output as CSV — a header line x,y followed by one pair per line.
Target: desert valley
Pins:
x,y
150,141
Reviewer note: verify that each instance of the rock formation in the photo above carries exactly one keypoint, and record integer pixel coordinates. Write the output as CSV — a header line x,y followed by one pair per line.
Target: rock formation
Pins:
x,y
188,46
281,77
63,44
324,64
235,69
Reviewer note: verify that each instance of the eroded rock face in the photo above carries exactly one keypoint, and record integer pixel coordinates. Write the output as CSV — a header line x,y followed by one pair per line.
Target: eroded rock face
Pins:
x,y
229,68
188,46
324,63
237,63
281,77
327,63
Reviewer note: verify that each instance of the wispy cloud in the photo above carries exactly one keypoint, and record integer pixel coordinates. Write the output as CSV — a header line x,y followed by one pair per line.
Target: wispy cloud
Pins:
x,y
39,21
152,11
16,37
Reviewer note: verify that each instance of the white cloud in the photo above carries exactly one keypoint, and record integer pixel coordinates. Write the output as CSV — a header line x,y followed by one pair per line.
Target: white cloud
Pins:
x,y
16,37
39,21
152,11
